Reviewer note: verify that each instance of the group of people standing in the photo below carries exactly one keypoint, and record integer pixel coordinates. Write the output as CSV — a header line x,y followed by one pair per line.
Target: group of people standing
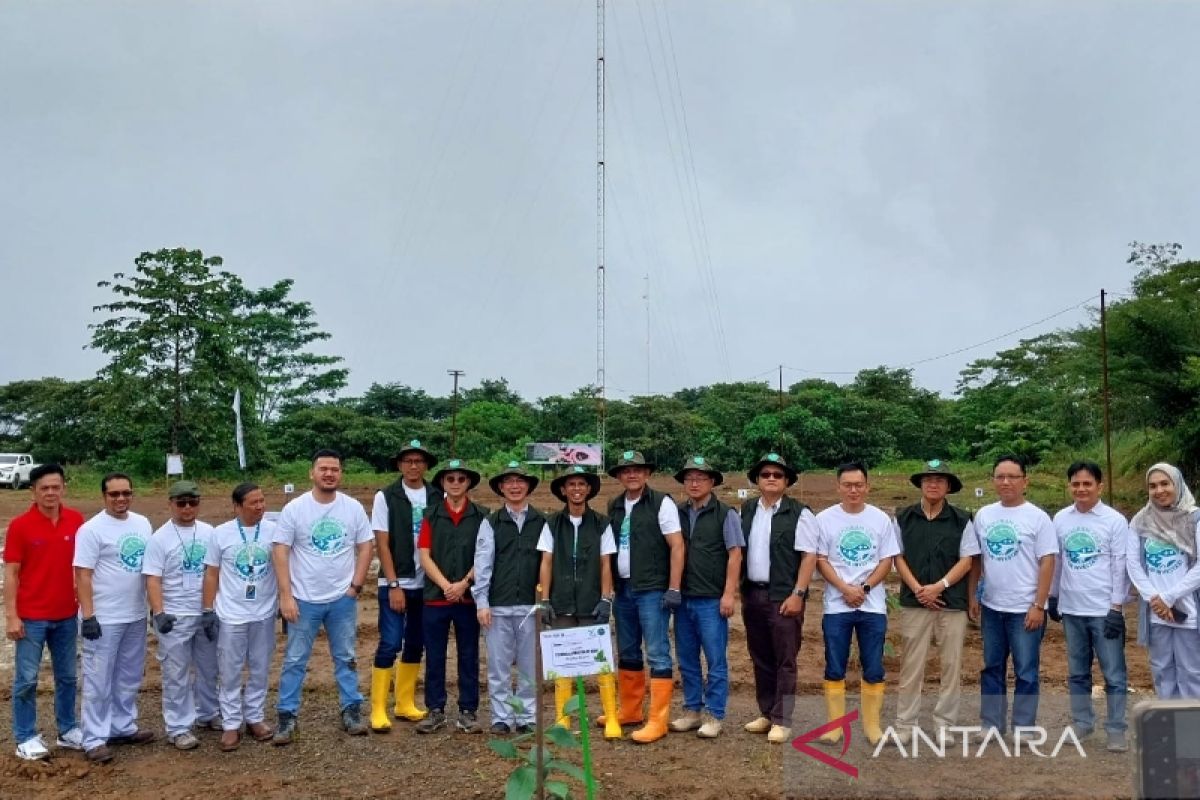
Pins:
x,y
446,562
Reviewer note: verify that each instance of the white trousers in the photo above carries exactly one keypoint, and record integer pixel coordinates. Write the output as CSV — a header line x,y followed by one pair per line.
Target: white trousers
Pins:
x,y
113,666
188,661
246,646
510,640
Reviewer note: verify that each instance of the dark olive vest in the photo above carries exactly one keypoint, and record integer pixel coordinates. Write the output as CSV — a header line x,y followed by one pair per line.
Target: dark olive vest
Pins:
x,y
707,556
516,558
649,553
402,540
453,546
931,549
785,558
575,571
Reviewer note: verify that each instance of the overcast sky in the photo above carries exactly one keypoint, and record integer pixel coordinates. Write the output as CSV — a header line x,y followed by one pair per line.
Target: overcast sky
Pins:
x,y
830,186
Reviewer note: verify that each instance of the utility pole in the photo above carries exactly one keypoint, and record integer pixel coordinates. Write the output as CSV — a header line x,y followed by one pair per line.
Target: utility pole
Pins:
x,y
779,438
1104,393
456,373
601,411
646,297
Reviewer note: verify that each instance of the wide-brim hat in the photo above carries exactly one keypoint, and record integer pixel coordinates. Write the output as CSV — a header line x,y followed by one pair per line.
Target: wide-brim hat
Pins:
x,y
937,467
772,460
457,465
513,468
415,446
593,482
700,464
631,458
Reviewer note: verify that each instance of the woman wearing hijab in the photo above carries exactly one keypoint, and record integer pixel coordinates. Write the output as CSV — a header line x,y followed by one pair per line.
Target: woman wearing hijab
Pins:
x,y
1162,564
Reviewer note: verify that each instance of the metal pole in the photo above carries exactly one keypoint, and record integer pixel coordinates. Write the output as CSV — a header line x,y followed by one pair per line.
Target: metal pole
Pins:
x,y
457,373
1104,393
600,356
646,297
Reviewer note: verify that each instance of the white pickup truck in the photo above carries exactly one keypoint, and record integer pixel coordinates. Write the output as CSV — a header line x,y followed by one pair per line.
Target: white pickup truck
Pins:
x,y
15,469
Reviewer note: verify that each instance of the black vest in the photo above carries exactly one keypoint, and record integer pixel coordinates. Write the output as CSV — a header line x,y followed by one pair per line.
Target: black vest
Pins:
x,y
785,558
707,556
401,541
649,553
516,559
931,549
575,571
453,546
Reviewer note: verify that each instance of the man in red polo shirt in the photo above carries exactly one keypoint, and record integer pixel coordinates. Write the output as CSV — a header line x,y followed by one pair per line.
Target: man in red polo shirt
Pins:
x,y
40,609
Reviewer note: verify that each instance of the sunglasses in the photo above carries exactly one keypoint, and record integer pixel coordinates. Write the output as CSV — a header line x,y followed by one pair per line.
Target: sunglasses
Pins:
x,y
187,501
115,495
455,479
771,475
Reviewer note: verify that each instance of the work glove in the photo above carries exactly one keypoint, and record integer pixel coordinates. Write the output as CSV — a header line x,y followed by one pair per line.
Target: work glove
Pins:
x,y
208,622
164,622
546,612
602,611
1052,610
1114,624
672,599
90,629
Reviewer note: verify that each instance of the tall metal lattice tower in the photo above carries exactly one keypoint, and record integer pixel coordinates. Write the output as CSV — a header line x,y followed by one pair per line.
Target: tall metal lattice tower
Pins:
x,y
600,85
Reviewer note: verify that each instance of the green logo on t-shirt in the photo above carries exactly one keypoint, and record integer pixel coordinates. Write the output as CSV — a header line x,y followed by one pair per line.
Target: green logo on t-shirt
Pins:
x,y
192,558
1081,549
251,561
624,543
130,550
1002,540
328,536
856,546
1161,558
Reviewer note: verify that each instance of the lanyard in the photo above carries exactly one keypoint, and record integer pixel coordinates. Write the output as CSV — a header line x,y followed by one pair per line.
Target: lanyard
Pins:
x,y
242,531
187,551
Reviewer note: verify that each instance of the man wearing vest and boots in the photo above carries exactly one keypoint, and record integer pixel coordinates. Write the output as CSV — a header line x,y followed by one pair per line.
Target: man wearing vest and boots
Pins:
x,y
713,532
650,556
396,519
933,595
576,578
447,547
507,563
781,554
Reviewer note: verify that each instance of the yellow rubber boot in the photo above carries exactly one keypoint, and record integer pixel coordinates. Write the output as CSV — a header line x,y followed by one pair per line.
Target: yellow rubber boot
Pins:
x,y
564,688
655,728
381,682
872,709
835,706
608,701
406,691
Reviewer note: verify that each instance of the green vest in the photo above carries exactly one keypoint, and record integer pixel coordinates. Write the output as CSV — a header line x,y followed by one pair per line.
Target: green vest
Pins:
x,y
931,549
575,571
402,533
707,556
516,558
453,546
649,553
785,558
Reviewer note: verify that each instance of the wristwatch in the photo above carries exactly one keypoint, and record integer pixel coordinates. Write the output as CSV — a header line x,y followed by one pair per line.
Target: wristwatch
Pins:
x,y
393,584
801,593
866,588
945,583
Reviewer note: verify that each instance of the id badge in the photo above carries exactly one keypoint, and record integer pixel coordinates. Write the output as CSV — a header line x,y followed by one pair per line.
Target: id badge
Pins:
x,y
251,591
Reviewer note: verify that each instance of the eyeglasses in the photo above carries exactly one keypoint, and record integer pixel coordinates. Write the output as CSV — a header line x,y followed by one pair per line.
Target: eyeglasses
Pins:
x,y
696,478
455,479
412,462
769,476
852,487
1007,478
187,501
115,495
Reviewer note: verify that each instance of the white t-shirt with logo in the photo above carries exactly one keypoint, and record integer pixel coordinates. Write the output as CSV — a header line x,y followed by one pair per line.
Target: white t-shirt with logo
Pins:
x,y
176,555
244,558
379,522
1090,576
1159,569
1012,540
854,544
114,550
668,523
323,538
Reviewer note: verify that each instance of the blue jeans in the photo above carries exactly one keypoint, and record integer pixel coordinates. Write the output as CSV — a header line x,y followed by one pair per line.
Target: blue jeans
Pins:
x,y
397,629
340,619
1004,634
869,628
700,626
59,635
638,615
1085,638
466,641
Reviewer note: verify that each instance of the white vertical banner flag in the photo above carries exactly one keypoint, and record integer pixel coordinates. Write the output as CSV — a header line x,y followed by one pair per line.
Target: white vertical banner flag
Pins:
x,y
237,415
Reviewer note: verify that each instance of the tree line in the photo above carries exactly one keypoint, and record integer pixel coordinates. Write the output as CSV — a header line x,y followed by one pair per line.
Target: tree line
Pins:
x,y
182,333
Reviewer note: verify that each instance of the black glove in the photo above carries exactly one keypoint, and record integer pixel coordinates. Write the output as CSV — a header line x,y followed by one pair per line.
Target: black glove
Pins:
x,y
672,599
546,612
90,629
164,622
1114,624
208,622
602,611
1052,610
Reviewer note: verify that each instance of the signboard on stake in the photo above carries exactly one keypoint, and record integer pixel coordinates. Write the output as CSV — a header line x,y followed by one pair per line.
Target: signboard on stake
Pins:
x,y
576,652
564,453
174,464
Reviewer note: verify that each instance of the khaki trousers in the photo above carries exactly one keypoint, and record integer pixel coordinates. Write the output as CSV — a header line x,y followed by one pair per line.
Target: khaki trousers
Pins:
x,y
918,626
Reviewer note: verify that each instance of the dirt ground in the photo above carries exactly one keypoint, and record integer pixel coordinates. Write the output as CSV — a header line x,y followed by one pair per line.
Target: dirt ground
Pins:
x,y
326,763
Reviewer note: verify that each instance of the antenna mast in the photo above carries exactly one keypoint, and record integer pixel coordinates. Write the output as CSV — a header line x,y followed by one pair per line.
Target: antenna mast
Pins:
x,y
600,85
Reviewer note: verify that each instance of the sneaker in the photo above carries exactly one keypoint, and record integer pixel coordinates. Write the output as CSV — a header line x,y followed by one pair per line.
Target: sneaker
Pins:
x,y
33,749
500,729
1082,733
184,741
352,721
139,736
71,740
99,754
760,725
688,722
779,734
213,724
467,723
524,729
286,730
435,720
1117,742
710,727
